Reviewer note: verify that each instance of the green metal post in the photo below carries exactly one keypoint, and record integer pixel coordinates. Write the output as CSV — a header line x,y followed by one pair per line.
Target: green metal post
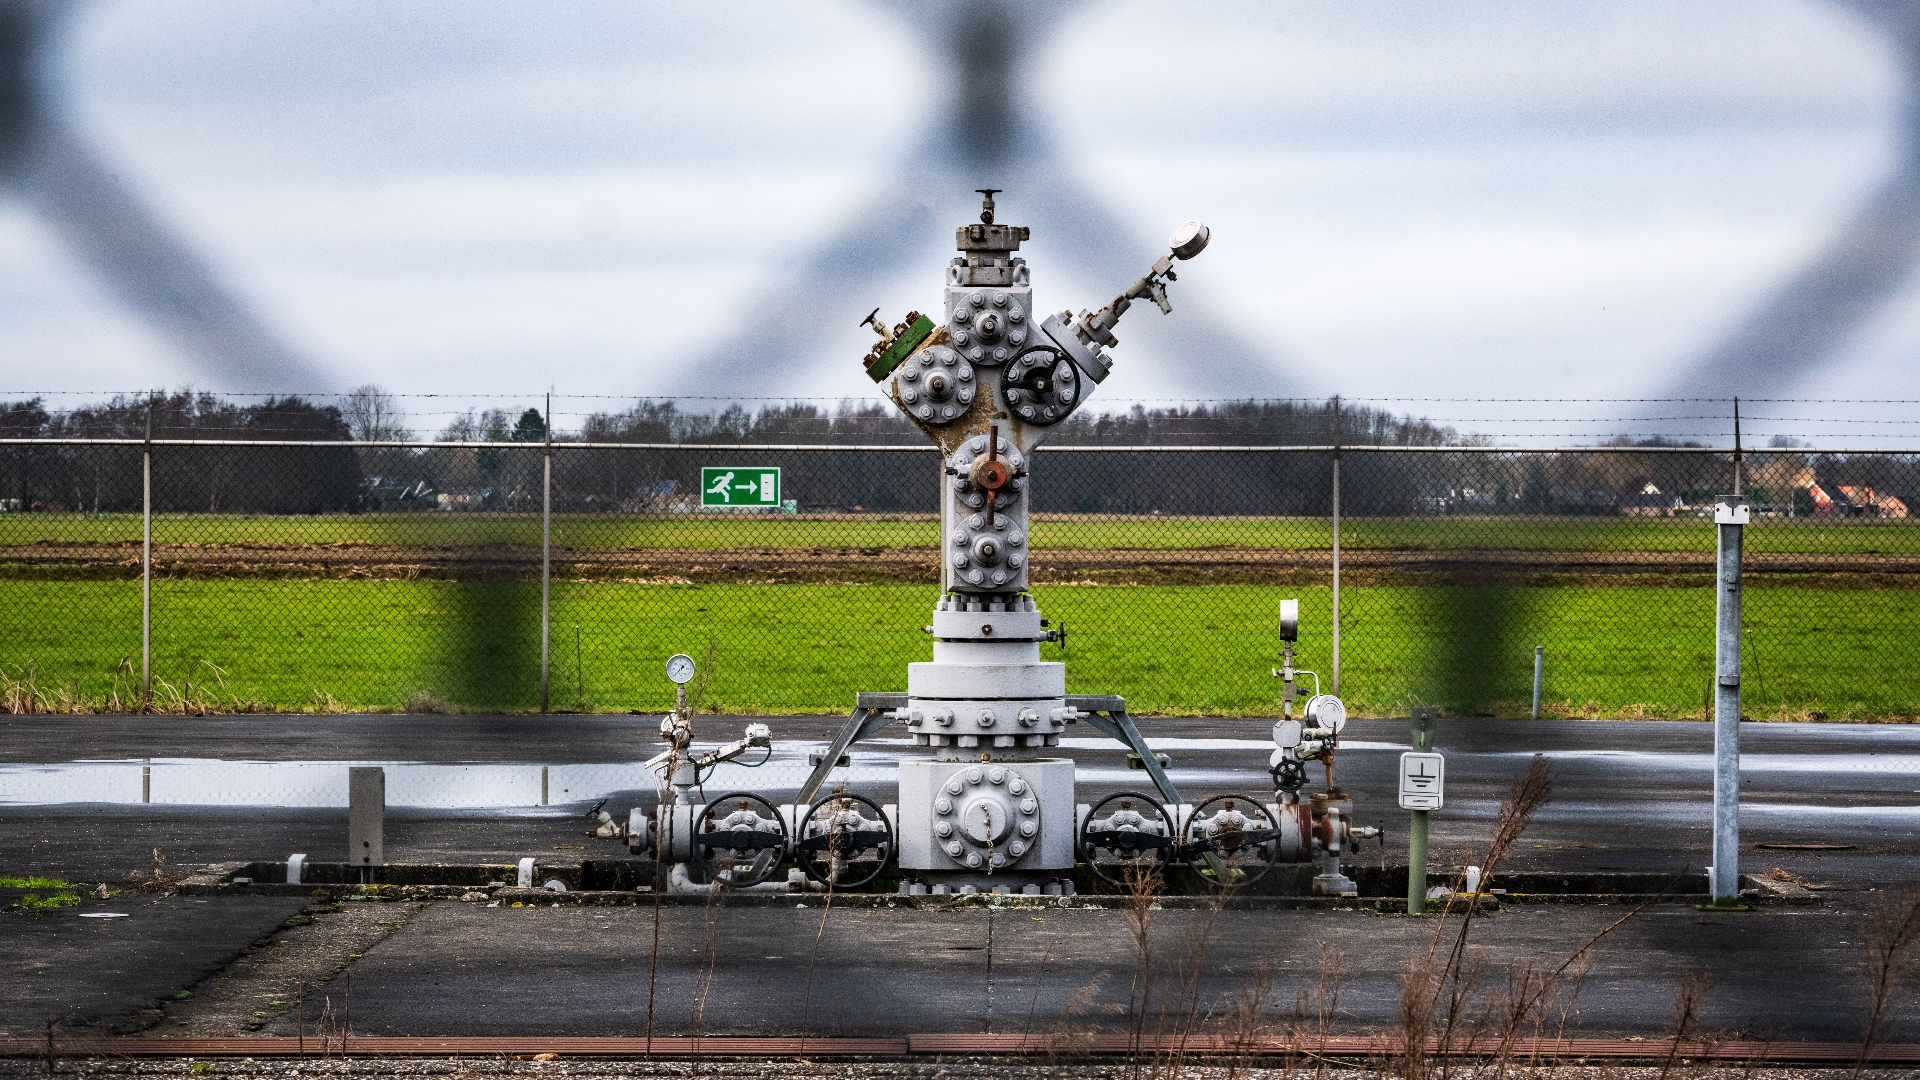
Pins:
x,y
1423,724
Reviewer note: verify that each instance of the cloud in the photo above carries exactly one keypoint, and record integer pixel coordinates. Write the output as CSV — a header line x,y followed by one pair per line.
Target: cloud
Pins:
x,y
1437,199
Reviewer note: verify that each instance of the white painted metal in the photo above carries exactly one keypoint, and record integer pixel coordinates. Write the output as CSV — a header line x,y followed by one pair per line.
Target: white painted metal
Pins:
x,y
1423,781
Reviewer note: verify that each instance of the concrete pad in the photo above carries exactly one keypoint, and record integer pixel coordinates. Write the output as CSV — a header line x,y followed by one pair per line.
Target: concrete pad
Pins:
x,y
465,969
109,970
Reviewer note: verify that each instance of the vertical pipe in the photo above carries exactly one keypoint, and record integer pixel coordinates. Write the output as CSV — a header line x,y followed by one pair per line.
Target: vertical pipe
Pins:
x,y
1423,723
146,780
1539,658
1730,516
1336,544
546,558
146,564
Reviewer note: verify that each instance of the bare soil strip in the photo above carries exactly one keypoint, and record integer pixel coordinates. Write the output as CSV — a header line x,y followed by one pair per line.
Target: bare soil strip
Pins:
x,y
919,565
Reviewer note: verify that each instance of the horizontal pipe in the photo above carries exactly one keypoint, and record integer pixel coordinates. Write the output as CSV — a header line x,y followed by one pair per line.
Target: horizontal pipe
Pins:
x,y
1100,1045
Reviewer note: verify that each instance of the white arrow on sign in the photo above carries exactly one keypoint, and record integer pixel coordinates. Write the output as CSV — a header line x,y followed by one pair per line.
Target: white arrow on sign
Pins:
x,y
1423,781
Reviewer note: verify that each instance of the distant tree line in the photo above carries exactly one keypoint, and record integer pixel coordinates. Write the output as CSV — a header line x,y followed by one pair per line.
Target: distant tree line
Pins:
x,y
350,478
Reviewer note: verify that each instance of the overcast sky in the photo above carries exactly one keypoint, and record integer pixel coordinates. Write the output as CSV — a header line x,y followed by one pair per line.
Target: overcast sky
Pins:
x,y
1408,199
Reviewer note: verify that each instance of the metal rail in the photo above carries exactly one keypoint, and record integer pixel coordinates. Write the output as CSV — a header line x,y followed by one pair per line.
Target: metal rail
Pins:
x,y
877,448
941,1044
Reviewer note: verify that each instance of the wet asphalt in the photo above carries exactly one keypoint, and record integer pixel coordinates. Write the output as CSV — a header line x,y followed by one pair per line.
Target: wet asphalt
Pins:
x,y
1627,796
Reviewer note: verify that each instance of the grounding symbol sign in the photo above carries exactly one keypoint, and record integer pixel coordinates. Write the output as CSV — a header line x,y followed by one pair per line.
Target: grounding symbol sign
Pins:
x,y
1423,781
739,487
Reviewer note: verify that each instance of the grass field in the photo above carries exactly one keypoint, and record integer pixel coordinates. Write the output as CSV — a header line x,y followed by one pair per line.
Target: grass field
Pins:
x,y
1811,535
809,648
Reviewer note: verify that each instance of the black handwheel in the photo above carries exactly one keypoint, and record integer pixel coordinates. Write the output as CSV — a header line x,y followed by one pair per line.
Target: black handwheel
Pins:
x,y
1240,834
1133,837
845,840
741,836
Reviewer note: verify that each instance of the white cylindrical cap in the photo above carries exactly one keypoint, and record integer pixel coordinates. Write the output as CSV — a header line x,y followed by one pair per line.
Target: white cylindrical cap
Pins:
x,y
1189,240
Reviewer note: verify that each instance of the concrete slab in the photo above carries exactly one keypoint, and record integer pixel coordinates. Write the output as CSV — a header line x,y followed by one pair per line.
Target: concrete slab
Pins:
x,y
465,969
84,969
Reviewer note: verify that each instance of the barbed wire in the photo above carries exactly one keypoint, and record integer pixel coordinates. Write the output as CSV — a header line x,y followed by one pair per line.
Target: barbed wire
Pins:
x,y
799,399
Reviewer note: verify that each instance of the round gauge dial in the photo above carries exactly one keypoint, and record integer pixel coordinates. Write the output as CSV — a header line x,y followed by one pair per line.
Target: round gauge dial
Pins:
x,y
1328,712
680,668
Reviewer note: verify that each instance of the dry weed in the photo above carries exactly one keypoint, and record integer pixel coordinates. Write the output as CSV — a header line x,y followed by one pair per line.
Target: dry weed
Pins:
x,y
1892,961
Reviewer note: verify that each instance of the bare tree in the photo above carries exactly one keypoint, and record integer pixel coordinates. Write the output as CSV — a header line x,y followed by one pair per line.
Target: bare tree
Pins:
x,y
373,415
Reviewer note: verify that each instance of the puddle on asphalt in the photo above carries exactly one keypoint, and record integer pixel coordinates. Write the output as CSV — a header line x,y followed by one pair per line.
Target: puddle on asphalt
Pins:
x,y
1781,763
207,782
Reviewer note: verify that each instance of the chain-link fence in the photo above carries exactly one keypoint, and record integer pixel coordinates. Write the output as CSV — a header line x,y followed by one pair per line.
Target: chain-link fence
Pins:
x,y
322,574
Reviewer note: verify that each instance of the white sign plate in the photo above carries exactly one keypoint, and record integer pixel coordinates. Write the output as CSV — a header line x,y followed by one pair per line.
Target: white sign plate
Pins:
x,y
1423,781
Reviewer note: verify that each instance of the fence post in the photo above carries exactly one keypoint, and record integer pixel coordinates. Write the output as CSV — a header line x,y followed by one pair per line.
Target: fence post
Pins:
x,y
1539,659
1730,515
1336,544
1423,721
546,553
146,564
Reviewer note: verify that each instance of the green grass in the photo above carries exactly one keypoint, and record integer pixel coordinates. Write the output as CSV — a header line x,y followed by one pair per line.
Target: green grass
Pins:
x,y
34,902
34,883
790,648
1809,535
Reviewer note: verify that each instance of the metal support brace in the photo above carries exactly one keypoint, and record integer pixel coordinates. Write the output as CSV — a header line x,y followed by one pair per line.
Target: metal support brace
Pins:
x,y
1118,726
869,715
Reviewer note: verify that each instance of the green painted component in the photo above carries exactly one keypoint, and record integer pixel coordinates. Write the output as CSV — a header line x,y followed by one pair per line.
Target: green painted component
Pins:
x,y
902,346
1424,721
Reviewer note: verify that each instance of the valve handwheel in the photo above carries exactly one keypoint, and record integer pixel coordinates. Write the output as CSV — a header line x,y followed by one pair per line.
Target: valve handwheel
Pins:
x,y
1126,834
1239,833
740,835
845,840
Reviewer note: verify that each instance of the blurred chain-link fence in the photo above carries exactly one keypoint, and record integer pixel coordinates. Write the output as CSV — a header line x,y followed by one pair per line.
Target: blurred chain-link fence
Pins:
x,y
321,574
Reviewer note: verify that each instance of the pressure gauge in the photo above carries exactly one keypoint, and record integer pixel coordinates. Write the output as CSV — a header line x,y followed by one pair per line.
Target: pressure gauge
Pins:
x,y
1289,620
1189,240
680,668
1326,711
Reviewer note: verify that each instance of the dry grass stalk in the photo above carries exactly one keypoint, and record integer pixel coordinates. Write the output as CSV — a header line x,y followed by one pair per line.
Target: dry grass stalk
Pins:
x,y
1246,1019
159,880
1314,1010
1686,1012
1782,874
710,946
1184,1002
1438,991
1893,959
1142,895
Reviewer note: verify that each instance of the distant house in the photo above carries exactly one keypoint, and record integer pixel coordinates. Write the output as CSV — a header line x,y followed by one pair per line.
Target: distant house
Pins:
x,y
391,493
1650,502
1856,501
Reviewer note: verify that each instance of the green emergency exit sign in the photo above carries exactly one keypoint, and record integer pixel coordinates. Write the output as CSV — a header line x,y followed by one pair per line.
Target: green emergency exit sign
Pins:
x,y
736,487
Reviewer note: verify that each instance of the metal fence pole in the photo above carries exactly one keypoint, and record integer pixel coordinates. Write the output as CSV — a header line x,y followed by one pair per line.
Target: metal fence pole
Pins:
x,y
146,565
1539,659
1730,515
1336,544
1424,720
546,554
